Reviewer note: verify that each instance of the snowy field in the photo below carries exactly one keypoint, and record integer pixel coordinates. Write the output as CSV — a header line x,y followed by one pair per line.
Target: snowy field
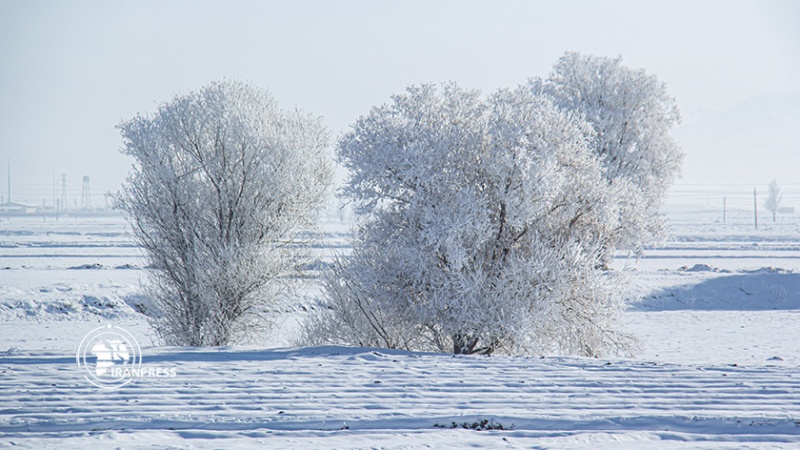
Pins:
x,y
716,308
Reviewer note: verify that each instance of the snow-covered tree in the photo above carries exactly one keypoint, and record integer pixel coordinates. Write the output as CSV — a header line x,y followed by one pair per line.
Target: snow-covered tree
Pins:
x,y
774,198
481,230
632,115
223,181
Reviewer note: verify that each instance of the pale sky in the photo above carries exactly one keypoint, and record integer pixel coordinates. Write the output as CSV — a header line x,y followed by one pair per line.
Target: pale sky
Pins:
x,y
70,71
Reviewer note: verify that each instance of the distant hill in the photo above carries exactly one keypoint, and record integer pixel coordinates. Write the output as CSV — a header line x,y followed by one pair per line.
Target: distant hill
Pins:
x,y
754,142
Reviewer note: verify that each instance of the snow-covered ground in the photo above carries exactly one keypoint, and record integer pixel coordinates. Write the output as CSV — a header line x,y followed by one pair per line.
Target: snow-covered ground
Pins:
x,y
716,308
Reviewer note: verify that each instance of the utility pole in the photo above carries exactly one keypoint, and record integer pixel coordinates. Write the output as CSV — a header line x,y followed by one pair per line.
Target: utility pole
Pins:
x,y
755,209
64,191
55,197
9,182
724,209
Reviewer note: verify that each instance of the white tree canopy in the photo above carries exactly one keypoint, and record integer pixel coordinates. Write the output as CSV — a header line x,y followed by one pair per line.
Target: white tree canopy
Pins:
x,y
223,180
479,217
774,199
632,115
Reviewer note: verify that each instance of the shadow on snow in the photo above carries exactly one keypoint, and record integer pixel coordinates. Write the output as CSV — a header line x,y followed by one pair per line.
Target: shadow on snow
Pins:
x,y
761,290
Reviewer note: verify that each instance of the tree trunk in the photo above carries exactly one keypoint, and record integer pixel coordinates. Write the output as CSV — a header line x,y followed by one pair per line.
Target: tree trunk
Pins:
x,y
464,345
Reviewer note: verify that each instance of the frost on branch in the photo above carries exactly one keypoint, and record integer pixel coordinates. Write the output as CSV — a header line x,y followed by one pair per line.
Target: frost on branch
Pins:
x,y
774,198
222,182
632,115
482,218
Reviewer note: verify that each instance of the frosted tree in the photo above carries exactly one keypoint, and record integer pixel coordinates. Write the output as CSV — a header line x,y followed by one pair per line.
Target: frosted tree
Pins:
x,y
480,223
632,115
222,183
774,199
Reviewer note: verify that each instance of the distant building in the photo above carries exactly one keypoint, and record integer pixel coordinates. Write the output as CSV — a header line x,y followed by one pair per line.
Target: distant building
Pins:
x,y
17,209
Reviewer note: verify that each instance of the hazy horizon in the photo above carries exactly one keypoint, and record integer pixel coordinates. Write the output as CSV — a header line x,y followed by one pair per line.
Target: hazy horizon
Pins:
x,y
72,70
